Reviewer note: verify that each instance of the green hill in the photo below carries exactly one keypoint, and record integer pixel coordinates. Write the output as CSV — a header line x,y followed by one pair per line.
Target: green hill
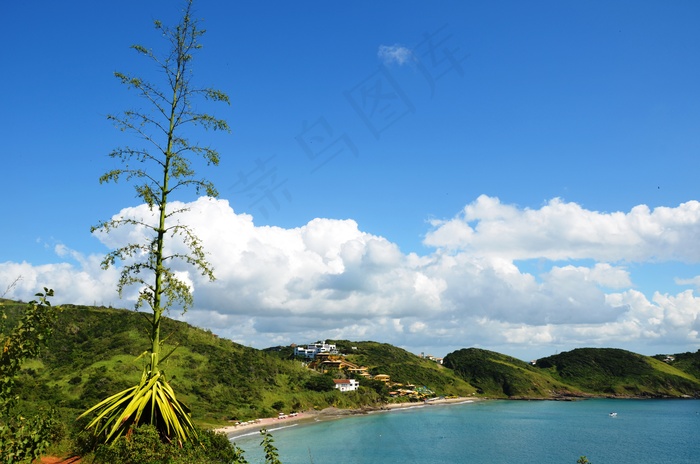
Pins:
x,y
686,362
94,353
400,365
581,372
404,367
497,375
618,372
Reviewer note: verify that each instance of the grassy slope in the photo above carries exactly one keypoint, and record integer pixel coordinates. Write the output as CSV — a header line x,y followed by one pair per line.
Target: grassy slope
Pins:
x,y
618,372
580,372
498,375
404,367
94,352
686,362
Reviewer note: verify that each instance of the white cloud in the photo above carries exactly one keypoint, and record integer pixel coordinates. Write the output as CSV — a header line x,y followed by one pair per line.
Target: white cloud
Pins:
x,y
561,231
394,54
329,279
85,283
695,281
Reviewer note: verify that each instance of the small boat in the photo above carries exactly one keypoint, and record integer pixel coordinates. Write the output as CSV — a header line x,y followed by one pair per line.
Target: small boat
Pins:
x,y
613,414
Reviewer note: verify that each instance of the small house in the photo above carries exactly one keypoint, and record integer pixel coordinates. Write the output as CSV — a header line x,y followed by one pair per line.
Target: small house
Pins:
x,y
345,385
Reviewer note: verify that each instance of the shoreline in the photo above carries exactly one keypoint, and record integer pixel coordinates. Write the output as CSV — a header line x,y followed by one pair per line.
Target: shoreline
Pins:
x,y
331,413
313,416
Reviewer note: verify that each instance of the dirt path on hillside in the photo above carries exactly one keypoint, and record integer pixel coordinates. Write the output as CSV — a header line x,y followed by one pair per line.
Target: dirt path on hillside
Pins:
x,y
57,460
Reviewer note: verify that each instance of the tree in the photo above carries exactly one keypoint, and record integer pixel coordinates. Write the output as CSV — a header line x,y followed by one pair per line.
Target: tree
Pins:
x,y
381,388
320,383
23,439
159,169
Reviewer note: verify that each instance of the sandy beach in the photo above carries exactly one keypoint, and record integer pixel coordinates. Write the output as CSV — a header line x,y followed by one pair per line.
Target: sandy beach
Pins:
x,y
272,423
269,423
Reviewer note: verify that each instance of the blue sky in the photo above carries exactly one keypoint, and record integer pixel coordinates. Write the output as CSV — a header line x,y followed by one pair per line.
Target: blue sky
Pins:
x,y
525,182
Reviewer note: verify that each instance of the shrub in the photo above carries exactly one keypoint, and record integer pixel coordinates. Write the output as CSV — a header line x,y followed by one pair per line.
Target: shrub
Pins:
x,y
145,446
320,383
23,439
278,405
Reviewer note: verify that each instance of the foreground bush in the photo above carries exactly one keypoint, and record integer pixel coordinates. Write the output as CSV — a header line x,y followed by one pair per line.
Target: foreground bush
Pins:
x,y
144,445
23,439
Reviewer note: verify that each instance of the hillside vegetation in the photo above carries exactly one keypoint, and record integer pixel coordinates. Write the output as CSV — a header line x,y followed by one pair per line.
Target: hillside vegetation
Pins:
x,y
95,351
618,372
501,376
686,362
578,373
405,367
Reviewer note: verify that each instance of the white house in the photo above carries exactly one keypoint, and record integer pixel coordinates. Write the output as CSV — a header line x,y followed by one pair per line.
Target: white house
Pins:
x,y
313,349
346,385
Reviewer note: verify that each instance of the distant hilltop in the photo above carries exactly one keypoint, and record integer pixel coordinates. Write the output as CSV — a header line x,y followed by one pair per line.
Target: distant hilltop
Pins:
x,y
583,372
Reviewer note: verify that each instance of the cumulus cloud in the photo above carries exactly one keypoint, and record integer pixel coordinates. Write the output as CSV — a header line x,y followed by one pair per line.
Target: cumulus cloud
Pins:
x,y
394,54
82,282
561,231
695,281
330,279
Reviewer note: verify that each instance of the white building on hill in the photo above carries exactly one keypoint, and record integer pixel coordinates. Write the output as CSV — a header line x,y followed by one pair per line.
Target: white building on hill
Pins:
x,y
346,385
313,349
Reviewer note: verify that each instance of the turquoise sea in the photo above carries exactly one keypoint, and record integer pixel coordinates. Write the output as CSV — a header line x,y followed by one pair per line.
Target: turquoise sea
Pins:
x,y
494,432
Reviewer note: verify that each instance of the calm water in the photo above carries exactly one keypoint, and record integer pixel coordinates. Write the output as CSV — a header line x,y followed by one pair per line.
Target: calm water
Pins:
x,y
494,432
